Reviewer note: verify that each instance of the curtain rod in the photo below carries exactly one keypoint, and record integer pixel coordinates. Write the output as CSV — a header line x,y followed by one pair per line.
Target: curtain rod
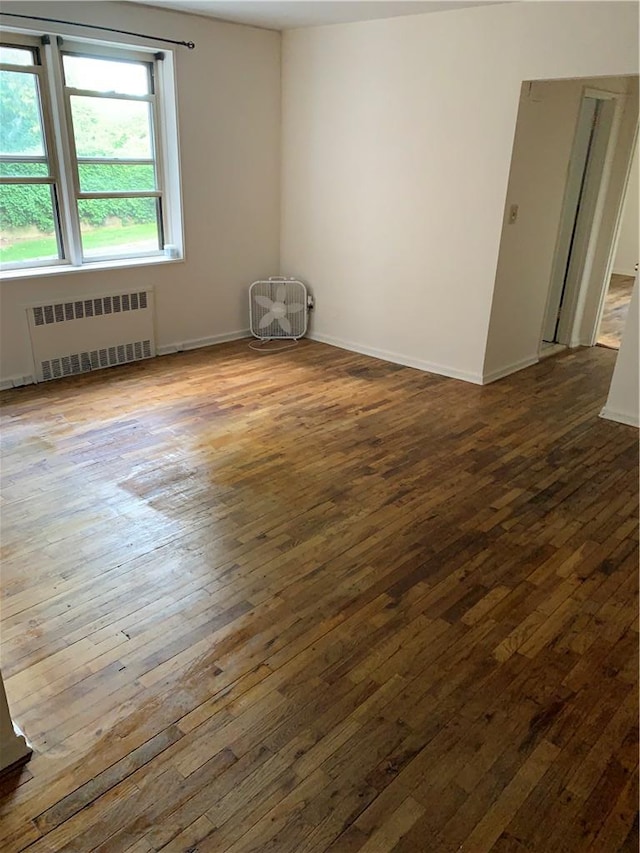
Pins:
x,y
188,44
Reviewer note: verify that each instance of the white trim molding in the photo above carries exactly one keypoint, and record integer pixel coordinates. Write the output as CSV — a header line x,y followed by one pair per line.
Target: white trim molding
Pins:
x,y
198,343
508,369
627,418
398,358
16,382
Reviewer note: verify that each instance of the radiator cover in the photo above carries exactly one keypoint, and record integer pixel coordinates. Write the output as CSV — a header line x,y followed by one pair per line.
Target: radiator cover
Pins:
x,y
91,333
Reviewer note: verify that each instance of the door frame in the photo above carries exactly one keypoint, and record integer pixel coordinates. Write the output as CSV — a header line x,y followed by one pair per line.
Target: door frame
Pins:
x,y
572,203
586,283
574,298
614,246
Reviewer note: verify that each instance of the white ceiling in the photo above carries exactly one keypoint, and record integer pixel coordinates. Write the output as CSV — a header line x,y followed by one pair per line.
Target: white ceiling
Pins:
x,y
288,14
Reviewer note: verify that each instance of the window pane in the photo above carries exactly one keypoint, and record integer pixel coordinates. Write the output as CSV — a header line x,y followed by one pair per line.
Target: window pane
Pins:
x,y
119,226
26,170
111,128
105,75
16,55
95,178
27,223
20,122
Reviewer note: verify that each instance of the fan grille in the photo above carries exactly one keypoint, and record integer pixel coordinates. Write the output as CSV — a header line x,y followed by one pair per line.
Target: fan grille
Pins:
x,y
274,293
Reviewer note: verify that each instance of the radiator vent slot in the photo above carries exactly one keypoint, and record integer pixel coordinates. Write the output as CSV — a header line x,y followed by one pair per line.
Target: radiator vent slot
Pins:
x,y
85,362
91,333
62,312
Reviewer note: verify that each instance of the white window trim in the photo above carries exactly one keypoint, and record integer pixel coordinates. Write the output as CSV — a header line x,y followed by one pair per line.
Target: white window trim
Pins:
x,y
41,72
60,140
92,266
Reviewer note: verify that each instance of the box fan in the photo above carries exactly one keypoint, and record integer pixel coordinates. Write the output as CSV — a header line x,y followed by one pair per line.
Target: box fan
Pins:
x,y
278,308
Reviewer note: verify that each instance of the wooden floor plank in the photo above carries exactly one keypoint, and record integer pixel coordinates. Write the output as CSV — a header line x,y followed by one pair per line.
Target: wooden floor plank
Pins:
x,y
318,602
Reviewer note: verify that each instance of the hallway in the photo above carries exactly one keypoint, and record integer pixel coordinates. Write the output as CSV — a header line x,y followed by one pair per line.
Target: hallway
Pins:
x,y
615,311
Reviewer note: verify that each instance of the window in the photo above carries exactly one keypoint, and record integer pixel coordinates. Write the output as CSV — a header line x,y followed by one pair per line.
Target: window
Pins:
x,y
82,156
29,188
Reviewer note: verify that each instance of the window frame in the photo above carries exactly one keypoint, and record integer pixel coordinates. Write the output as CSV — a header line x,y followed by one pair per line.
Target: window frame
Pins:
x,y
55,97
124,55
53,179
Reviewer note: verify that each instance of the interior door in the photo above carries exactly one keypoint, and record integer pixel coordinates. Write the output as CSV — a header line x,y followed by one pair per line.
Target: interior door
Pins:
x,y
584,224
574,191
582,194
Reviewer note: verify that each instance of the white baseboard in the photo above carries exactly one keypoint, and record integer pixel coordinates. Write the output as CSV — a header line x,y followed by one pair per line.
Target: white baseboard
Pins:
x,y
197,343
397,358
630,273
16,382
628,418
508,369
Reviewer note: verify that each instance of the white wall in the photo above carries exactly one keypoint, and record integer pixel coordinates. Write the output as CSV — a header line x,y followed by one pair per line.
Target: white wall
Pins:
x,y
542,148
13,747
627,250
623,403
397,138
229,117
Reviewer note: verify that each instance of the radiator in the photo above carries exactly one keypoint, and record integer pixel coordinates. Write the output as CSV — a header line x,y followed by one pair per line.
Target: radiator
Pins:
x,y
91,333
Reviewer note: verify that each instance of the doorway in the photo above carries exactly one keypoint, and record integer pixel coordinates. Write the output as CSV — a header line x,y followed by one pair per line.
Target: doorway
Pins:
x,y
616,308
624,266
586,184
533,252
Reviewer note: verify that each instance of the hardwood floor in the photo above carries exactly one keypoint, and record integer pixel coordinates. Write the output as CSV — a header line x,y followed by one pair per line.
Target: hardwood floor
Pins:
x,y
616,307
314,601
